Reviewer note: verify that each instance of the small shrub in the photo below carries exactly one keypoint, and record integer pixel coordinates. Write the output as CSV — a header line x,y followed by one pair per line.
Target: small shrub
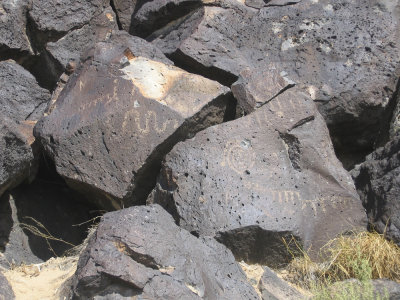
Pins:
x,y
362,256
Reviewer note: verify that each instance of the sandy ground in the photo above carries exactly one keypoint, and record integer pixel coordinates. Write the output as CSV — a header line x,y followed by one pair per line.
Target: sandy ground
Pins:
x,y
41,281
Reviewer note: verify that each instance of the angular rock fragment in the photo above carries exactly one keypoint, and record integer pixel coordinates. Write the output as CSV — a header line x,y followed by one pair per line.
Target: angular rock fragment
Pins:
x,y
70,47
378,184
6,291
251,182
61,16
124,10
314,42
119,114
139,251
14,42
22,103
274,288
262,3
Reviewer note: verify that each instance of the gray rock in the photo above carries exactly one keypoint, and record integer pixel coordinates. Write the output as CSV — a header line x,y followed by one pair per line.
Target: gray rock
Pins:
x,y
345,55
274,288
141,252
6,291
378,183
22,103
119,114
124,10
253,181
13,38
263,3
70,47
21,98
61,16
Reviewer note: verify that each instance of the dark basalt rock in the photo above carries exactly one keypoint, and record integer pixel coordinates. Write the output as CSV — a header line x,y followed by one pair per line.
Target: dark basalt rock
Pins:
x,y
119,114
251,182
345,55
140,252
6,291
61,16
22,103
14,42
378,184
125,10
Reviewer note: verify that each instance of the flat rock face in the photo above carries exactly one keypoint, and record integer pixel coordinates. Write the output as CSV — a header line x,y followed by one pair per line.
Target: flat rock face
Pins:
x,y
314,42
22,103
140,252
125,10
268,175
6,291
378,183
62,15
120,112
274,288
12,27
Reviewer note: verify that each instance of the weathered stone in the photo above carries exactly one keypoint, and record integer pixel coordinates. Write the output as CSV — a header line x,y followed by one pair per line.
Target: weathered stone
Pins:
x,y
124,10
270,175
140,251
255,88
119,114
274,288
156,14
61,16
13,39
70,47
314,42
378,184
6,291
22,102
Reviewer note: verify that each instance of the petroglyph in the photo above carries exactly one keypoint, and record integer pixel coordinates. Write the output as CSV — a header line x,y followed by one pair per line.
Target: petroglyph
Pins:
x,y
238,156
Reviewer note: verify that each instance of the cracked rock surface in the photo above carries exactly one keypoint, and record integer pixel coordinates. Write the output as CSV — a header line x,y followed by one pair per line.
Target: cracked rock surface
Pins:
x,y
253,181
133,107
140,252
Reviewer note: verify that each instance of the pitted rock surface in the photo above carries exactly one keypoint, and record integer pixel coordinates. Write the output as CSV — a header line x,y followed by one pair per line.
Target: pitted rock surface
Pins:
x,y
22,103
13,22
344,54
251,182
61,16
119,114
378,183
139,251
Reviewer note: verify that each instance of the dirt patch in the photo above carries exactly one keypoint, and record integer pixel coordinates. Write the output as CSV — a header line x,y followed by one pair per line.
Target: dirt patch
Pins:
x,y
41,281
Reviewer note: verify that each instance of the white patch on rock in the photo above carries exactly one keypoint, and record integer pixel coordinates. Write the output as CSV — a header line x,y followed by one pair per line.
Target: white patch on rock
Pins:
x,y
312,90
289,43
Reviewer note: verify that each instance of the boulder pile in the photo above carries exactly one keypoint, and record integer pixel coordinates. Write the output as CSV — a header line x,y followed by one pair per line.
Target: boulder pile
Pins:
x,y
204,132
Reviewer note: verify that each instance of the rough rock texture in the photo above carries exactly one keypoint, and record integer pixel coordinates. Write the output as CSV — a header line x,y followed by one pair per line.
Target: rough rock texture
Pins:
x,y
22,103
6,291
140,251
61,16
119,114
378,184
124,10
14,41
345,54
68,49
274,288
154,15
261,178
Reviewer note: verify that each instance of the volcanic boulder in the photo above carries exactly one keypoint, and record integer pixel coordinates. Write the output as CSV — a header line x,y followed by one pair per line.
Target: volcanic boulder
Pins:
x,y
253,181
378,184
119,114
22,103
139,251
14,41
344,54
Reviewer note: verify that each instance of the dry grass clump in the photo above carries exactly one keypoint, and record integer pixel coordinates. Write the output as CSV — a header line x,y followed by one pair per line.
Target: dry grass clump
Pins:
x,y
363,256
